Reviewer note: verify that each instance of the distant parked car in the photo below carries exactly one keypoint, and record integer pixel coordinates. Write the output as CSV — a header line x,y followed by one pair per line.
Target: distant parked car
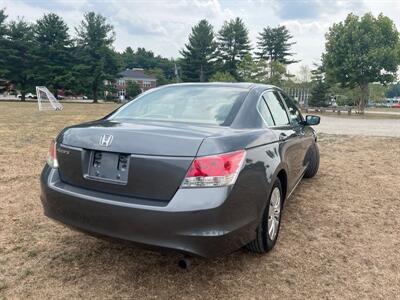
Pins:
x,y
27,96
396,105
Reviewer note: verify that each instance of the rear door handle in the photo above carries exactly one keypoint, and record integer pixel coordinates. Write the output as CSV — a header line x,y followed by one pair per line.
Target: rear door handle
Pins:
x,y
282,136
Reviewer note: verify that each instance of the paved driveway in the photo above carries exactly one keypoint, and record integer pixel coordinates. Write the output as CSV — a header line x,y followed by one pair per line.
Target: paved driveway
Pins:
x,y
350,126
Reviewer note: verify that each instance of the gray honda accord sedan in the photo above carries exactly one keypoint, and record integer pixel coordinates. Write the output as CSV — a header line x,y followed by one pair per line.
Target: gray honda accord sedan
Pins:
x,y
200,168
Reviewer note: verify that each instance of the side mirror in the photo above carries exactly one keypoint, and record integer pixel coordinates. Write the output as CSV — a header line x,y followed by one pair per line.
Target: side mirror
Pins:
x,y
312,120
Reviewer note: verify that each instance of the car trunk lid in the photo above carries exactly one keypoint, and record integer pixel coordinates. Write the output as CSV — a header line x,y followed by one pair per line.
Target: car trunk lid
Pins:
x,y
142,159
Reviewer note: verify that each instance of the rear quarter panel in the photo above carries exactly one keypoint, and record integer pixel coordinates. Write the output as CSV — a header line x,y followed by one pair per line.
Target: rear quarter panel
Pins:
x,y
265,157
262,163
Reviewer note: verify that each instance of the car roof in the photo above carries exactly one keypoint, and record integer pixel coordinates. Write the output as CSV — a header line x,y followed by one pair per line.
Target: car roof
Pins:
x,y
244,85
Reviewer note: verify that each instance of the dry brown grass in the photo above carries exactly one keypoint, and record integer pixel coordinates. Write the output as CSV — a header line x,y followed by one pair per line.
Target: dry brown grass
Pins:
x,y
340,235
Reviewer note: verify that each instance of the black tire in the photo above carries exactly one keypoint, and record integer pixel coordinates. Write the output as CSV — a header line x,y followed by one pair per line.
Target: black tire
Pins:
x,y
263,243
313,164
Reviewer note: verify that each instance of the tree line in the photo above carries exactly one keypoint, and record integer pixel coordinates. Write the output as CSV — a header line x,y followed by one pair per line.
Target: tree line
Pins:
x,y
358,51
228,55
44,53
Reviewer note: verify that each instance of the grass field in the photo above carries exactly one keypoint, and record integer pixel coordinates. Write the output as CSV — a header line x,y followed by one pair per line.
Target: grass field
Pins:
x,y
339,239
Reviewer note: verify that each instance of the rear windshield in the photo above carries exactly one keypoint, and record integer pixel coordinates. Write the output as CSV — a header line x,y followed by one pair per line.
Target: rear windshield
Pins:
x,y
216,105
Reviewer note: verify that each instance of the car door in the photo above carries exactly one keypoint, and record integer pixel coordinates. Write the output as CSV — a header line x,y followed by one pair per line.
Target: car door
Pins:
x,y
286,134
304,134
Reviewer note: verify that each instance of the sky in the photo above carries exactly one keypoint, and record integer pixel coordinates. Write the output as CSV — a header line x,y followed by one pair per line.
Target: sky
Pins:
x,y
163,26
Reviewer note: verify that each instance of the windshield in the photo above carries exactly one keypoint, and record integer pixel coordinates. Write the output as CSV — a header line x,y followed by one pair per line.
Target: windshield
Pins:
x,y
216,105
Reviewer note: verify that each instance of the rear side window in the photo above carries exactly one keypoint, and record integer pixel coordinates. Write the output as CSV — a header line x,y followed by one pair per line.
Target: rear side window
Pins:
x,y
265,113
216,105
277,108
294,111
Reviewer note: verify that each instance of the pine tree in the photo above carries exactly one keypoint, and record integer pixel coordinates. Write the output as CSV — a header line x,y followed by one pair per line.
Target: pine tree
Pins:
x,y
249,70
199,54
53,66
233,45
20,59
94,50
222,77
274,45
319,94
320,90
3,26
129,59
3,42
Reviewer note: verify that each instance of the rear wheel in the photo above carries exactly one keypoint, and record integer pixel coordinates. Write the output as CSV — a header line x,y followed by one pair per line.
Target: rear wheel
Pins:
x,y
268,229
313,163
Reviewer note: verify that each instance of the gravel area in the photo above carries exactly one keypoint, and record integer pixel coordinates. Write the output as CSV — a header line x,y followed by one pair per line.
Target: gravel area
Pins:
x,y
357,126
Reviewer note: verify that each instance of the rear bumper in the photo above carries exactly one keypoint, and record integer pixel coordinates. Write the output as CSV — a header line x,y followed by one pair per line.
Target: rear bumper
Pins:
x,y
204,222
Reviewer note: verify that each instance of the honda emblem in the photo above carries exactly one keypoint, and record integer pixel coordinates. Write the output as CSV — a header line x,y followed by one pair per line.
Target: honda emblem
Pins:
x,y
106,140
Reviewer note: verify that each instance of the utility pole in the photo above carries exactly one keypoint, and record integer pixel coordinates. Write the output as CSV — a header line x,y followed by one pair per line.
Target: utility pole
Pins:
x,y
176,71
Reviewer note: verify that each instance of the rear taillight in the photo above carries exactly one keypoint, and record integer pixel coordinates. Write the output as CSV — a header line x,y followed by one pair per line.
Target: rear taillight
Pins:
x,y
215,170
52,155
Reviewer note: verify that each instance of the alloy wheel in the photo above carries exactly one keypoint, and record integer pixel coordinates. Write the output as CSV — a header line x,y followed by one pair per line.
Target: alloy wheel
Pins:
x,y
274,213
